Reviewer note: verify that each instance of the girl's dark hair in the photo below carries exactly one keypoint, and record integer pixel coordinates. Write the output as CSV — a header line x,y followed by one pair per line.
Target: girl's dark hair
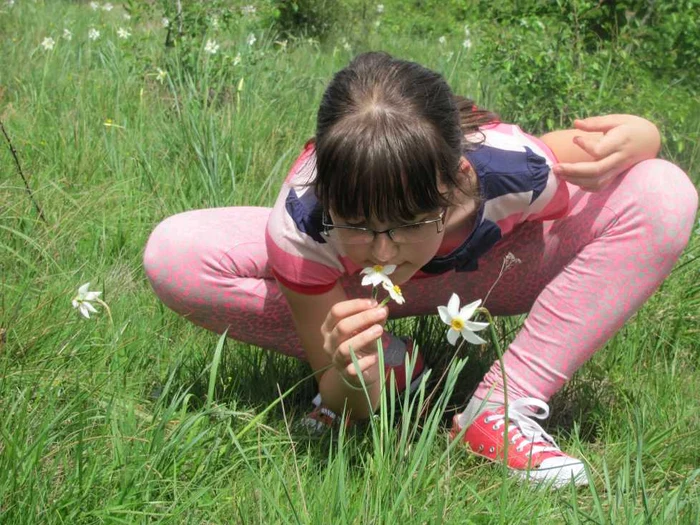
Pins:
x,y
388,131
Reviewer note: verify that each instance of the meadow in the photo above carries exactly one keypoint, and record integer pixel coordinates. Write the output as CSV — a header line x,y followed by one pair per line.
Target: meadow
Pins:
x,y
136,416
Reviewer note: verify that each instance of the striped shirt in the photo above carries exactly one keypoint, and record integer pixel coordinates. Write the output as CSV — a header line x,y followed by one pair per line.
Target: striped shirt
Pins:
x,y
516,184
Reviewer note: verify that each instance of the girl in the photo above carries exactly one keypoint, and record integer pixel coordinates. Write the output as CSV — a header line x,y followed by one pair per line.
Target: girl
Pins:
x,y
401,172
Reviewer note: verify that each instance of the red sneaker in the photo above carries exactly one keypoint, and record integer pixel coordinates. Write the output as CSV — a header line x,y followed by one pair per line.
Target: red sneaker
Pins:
x,y
532,453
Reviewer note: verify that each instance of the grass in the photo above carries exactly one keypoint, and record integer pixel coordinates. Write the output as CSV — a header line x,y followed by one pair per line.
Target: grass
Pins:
x,y
149,419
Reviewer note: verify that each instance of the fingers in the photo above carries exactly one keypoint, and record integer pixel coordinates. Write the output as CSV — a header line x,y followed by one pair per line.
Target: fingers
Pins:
x,y
591,176
353,326
598,146
344,309
603,123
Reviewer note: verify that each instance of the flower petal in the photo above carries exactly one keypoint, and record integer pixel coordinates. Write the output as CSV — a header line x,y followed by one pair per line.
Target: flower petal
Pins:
x,y
88,306
91,296
445,316
389,269
367,271
83,289
367,279
84,311
467,311
475,326
472,337
75,303
452,336
453,305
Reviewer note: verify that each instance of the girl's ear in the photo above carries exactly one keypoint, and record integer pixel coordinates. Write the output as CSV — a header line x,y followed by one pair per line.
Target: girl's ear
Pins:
x,y
464,165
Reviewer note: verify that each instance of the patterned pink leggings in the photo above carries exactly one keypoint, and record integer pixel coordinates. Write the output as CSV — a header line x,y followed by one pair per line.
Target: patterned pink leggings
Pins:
x,y
581,276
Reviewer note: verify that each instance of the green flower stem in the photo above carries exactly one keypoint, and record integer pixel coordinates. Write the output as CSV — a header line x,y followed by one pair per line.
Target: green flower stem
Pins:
x,y
499,351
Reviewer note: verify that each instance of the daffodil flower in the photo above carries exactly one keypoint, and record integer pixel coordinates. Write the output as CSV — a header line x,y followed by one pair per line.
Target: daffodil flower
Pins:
x,y
459,321
394,291
377,274
83,303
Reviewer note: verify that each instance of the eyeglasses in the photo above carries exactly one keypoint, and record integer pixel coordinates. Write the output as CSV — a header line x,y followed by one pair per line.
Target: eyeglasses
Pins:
x,y
406,234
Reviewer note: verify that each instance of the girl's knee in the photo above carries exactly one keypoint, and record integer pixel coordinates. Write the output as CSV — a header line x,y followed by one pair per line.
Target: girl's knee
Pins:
x,y
666,199
159,252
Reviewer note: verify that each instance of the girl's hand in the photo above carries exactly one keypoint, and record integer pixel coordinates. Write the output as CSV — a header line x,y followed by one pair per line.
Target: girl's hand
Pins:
x,y
616,143
354,324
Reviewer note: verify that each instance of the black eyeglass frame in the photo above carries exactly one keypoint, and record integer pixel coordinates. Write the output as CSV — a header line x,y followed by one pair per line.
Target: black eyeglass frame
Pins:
x,y
328,226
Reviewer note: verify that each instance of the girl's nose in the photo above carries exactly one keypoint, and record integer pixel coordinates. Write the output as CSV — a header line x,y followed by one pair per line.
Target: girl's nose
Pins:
x,y
383,248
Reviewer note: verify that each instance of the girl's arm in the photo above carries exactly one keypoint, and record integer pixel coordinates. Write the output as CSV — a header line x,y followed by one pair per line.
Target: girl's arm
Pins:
x,y
329,325
601,148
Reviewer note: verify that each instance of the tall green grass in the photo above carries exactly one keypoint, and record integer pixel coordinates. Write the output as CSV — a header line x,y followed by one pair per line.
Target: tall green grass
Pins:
x,y
146,418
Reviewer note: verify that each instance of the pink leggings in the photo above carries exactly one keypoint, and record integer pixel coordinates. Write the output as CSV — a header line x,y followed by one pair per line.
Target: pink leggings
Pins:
x,y
581,276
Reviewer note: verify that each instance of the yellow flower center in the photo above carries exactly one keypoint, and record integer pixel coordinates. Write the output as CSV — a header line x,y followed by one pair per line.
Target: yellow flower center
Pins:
x,y
397,289
457,324
377,268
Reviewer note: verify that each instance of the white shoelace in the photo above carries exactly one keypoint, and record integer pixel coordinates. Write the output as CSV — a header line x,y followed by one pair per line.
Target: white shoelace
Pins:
x,y
520,416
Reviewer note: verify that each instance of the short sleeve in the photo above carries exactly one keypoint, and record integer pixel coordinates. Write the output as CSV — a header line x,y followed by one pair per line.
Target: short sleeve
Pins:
x,y
299,257
518,184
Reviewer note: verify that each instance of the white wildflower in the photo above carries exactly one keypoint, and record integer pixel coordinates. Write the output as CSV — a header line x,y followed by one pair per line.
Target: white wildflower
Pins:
x,y
251,39
93,34
123,33
467,32
467,43
394,291
10,3
377,23
48,43
161,75
126,16
215,22
380,8
165,22
94,6
459,321
83,301
248,9
107,7
237,59
442,40
377,274
67,34
211,47
346,46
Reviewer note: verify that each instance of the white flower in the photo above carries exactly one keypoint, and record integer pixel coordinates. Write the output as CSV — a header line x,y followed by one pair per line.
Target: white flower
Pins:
x,y
380,8
467,33
347,46
467,43
123,33
93,34
377,274
459,322
107,7
394,291
10,3
67,34
82,301
215,22
165,22
442,40
211,47
126,16
162,75
94,5
48,43
248,9
251,39
377,23
237,59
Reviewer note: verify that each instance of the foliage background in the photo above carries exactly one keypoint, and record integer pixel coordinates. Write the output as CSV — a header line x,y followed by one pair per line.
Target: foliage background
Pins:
x,y
141,417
